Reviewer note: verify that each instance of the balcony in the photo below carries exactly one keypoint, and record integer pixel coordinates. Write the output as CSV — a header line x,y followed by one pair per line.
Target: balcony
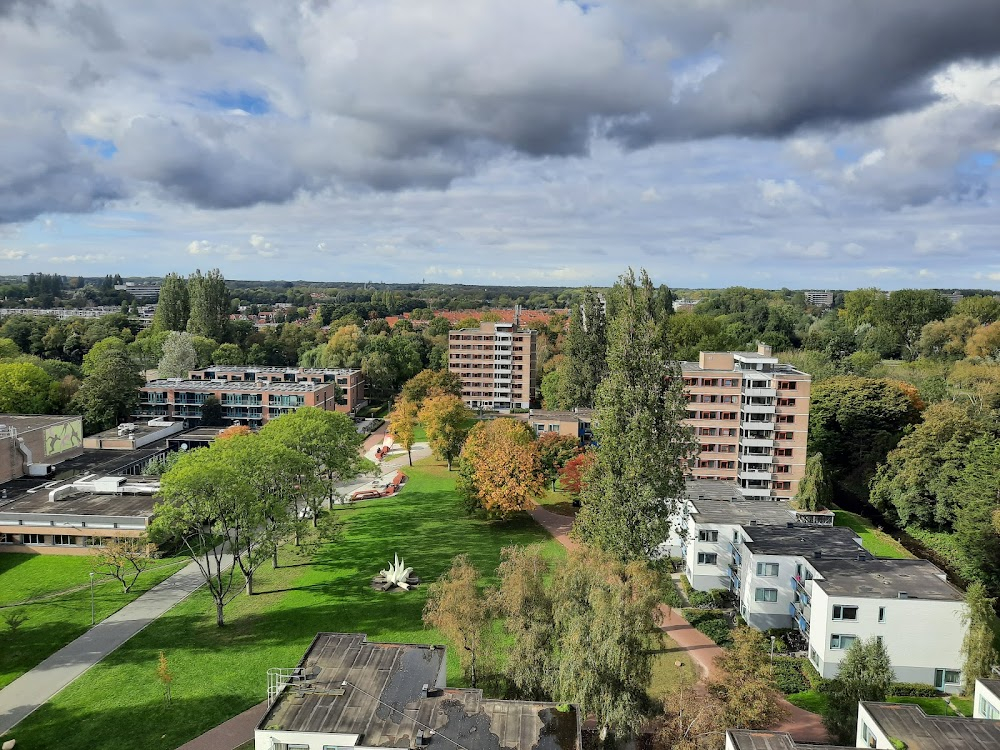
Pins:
x,y
751,424
757,442
734,581
737,557
761,476
760,393
757,408
755,491
756,458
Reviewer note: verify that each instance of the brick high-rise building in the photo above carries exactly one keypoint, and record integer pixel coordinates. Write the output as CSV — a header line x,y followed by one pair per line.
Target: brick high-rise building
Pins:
x,y
750,415
497,364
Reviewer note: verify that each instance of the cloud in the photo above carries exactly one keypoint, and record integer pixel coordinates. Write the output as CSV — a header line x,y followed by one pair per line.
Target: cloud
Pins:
x,y
8,254
262,247
89,258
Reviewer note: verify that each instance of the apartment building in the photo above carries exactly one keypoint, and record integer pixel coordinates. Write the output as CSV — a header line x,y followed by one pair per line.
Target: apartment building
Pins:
x,y
578,423
986,700
820,299
350,383
750,415
888,726
909,604
497,364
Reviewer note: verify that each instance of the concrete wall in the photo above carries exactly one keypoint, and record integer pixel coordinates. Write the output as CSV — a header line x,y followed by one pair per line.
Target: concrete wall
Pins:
x,y
870,734
766,615
986,703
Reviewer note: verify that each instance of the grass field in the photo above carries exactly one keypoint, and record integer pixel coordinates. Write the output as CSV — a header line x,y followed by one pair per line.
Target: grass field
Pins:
x,y
809,700
558,501
931,706
877,542
56,619
219,673
964,705
666,674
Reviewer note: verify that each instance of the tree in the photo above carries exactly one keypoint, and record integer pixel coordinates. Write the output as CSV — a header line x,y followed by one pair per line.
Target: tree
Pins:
x,y
233,431
402,422
748,692
978,490
228,354
978,651
97,352
984,309
985,342
525,605
8,349
942,339
643,441
24,389
209,305
211,412
164,675
456,606
693,719
573,475
179,355
173,306
865,674
431,383
555,394
554,451
586,349
500,467
125,559
815,489
109,395
445,419
344,347
377,367
605,615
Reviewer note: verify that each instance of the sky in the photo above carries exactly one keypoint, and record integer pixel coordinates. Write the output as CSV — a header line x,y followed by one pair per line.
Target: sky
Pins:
x,y
768,143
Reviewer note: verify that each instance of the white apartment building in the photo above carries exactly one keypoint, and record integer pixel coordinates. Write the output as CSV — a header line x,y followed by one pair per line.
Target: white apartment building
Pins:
x,y
887,726
909,604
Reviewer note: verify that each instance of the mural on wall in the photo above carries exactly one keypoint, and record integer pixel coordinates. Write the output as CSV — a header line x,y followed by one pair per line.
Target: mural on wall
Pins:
x,y
63,437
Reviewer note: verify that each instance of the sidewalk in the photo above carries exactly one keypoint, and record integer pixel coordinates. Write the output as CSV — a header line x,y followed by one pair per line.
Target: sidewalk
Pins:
x,y
230,734
38,685
702,650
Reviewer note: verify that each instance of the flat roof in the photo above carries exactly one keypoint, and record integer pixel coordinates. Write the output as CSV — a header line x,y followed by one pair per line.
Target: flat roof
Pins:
x,y
743,512
198,433
229,385
352,686
778,369
712,489
28,422
831,541
919,731
758,739
279,370
585,415
85,504
141,430
884,579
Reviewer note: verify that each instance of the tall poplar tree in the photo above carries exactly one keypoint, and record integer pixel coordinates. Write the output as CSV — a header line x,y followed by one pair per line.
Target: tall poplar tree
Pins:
x,y
586,350
978,651
209,304
173,306
643,443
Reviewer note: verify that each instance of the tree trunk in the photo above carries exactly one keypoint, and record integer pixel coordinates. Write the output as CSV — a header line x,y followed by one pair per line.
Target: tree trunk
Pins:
x,y
250,583
274,558
219,619
449,462
409,456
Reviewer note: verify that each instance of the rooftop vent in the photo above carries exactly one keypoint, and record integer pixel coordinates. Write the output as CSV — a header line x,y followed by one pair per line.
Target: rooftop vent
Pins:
x,y
819,554
423,690
789,524
903,595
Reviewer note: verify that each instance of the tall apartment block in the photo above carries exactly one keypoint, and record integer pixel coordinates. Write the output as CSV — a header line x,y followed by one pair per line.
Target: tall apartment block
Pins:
x,y
497,364
750,415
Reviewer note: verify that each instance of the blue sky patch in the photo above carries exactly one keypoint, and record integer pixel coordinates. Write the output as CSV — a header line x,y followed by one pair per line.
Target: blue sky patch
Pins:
x,y
103,148
244,100
251,43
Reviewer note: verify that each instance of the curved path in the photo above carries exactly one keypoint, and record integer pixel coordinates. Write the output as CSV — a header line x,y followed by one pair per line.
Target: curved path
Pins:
x,y
703,651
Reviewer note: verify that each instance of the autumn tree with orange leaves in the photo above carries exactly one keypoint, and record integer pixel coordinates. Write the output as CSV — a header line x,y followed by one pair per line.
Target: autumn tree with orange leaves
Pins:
x,y
573,474
233,431
500,467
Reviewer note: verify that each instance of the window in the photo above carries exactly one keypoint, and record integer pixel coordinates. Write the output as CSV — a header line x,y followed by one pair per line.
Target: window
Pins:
x,y
881,614
782,469
842,642
844,612
814,657
782,436
707,558
6,539
765,595
33,539
782,451
786,402
867,735
786,385
987,709
63,540
768,570
786,418
708,536
944,677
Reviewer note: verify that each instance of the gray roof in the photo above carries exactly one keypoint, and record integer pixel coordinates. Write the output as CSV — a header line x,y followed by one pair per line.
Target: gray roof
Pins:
x,y
992,685
919,731
28,422
580,415
711,489
86,503
180,384
757,739
743,512
830,541
278,370
375,690
882,579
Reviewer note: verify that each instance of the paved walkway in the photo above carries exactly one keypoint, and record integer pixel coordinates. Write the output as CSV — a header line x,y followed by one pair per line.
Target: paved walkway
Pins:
x,y
230,734
702,650
38,685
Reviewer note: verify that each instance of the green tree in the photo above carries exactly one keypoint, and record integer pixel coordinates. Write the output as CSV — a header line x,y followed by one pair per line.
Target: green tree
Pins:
x,y
554,451
24,389
228,354
97,352
209,305
946,339
555,394
110,393
586,350
8,349
748,691
865,675
815,489
179,356
978,651
984,309
643,442
211,412
173,306
431,383
978,490
445,419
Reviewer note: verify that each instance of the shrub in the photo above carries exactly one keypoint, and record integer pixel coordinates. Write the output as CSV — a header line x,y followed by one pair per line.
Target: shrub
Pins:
x,y
712,623
816,680
788,675
914,690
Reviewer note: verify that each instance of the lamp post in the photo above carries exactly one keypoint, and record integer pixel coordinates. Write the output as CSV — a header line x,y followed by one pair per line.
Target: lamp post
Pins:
x,y
772,646
92,618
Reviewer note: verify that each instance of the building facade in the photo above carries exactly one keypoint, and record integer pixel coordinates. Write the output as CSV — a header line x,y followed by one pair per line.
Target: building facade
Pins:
x,y
577,423
820,299
497,363
750,416
350,383
34,445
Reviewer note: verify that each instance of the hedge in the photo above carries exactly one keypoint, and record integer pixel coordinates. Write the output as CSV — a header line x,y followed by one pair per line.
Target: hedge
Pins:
x,y
914,690
712,623
789,676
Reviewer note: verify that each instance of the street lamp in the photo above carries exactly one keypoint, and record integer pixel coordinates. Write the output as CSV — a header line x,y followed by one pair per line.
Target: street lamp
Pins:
x,y
92,618
772,646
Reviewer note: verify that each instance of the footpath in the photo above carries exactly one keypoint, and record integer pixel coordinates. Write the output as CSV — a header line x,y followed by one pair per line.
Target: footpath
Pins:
x,y
802,725
35,687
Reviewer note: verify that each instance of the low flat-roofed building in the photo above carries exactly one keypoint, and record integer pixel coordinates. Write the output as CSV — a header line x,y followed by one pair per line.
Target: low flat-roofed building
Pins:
x,y
986,700
881,723
33,445
132,435
198,437
759,739
577,423
71,517
350,383
349,692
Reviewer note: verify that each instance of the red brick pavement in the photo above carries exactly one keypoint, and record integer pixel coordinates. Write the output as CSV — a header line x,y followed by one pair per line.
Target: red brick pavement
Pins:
x,y
230,734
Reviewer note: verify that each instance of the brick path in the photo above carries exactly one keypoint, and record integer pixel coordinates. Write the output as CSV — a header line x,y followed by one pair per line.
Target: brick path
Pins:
x,y
703,651
231,734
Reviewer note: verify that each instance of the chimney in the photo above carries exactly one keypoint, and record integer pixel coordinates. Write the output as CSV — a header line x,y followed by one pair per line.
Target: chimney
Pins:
x,y
423,690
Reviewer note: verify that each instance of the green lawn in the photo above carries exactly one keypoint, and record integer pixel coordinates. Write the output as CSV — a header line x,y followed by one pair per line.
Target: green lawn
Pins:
x,y
877,542
558,501
964,705
54,621
931,706
219,673
810,700
666,674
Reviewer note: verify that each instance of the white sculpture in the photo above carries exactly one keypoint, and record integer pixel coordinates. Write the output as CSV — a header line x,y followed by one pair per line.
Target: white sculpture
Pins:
x,y
396,575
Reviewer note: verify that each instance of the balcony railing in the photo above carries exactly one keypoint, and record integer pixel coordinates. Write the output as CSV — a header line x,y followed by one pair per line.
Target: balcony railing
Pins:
x,y
737,558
